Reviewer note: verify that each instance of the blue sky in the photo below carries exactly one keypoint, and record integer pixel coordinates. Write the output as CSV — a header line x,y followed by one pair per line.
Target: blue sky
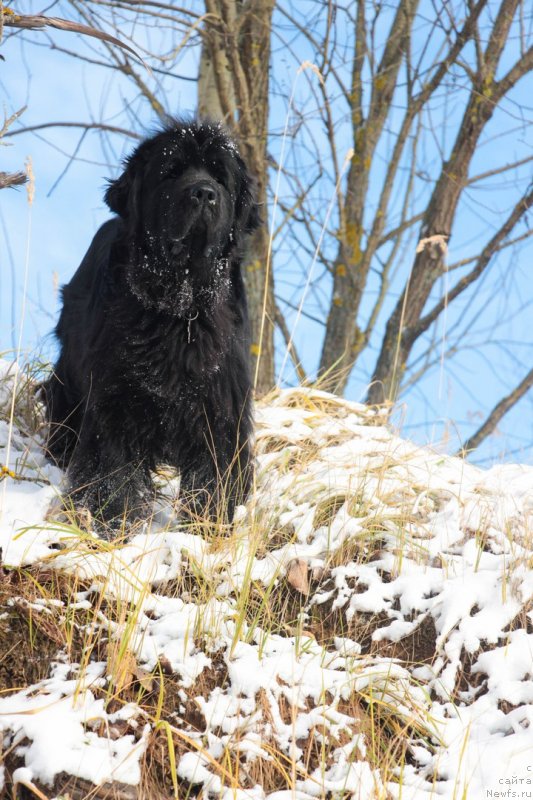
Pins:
x,y
492,323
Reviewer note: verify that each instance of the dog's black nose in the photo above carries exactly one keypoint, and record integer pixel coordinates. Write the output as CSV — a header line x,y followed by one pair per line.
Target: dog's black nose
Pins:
x,y
203,192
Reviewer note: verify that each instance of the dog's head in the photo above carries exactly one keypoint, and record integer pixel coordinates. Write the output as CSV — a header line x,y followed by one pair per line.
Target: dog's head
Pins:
x,y
185,194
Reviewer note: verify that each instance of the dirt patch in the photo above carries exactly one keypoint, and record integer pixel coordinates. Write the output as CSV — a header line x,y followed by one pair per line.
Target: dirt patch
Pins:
x,y
522,621
28,645
37,623
177,706
467,681
417,647
70,788
326,623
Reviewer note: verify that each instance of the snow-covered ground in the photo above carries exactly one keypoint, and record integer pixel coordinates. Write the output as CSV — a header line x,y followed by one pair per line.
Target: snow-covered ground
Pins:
x,y
408,575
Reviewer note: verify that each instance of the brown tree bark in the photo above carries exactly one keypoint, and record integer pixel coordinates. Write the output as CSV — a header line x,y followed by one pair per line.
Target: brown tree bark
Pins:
x,y
234,87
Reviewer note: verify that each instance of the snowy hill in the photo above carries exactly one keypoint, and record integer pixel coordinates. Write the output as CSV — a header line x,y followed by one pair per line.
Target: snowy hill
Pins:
x,y
364,630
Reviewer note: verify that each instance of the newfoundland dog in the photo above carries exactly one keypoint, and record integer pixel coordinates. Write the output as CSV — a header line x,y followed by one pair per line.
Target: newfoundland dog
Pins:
x,y
154,343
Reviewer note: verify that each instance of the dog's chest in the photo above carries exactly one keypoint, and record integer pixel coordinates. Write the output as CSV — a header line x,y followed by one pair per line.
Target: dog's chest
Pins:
x,y
176,357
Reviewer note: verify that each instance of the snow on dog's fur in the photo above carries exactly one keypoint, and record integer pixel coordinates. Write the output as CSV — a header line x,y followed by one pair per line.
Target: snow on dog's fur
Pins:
x,y
154,336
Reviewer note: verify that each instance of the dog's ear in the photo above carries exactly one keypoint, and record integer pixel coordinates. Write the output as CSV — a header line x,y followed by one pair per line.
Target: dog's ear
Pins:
x,y
116,195
254,219
248,216
121,194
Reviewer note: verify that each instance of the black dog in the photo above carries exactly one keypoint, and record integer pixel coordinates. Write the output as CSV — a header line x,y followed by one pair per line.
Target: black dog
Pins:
x,y
153,366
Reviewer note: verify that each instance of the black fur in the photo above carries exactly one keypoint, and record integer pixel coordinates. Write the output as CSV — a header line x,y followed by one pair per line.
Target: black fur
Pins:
x,y
153,366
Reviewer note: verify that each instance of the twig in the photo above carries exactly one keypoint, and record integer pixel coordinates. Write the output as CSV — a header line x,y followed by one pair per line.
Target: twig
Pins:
x,y
496,414
282,325
8,179
100,126
38,22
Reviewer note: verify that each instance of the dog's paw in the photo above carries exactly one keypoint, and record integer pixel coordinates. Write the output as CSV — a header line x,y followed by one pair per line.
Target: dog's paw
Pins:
x,y
60,511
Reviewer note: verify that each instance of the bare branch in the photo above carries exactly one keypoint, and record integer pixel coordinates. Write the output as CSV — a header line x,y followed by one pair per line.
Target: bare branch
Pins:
x,y
483,261
496,414
106,65
8,121
343,336
498,170
395,232
141,5
126,68
282,325
503,246
37,22
100,126
401,332
9,179
517,71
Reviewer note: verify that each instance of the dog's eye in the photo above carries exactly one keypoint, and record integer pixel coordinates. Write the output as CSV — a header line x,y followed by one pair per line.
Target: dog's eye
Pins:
x,y
223,176
171,172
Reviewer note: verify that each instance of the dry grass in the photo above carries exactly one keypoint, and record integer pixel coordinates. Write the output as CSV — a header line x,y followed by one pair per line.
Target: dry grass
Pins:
x,y
58,609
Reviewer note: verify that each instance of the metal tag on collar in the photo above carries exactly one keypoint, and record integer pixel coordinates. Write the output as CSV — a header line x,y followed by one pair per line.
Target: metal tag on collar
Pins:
x,y
189,320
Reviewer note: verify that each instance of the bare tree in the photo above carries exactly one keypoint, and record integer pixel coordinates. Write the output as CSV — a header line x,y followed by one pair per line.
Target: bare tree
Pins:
x,y
405,324
378,162
389,93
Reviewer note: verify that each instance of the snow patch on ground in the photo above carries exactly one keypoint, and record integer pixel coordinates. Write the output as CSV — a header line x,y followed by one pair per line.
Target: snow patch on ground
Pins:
x,y
50,726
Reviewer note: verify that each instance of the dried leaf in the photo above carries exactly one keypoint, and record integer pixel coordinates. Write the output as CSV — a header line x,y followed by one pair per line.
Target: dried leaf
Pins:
x,y
122,667
118,729
297,575
145,678
166,666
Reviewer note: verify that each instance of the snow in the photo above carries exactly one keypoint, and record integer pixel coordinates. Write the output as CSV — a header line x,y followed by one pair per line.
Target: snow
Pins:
x,y
54,716
448,546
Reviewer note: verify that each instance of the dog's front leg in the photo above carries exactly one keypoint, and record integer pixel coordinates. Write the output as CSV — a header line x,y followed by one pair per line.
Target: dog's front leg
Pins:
x,y
218,479
107,474
240,478
200,492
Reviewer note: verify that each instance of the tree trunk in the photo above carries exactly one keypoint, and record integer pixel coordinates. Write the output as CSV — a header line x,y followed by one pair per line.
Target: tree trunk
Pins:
x,y
429,261
209,104
343,339
234,86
